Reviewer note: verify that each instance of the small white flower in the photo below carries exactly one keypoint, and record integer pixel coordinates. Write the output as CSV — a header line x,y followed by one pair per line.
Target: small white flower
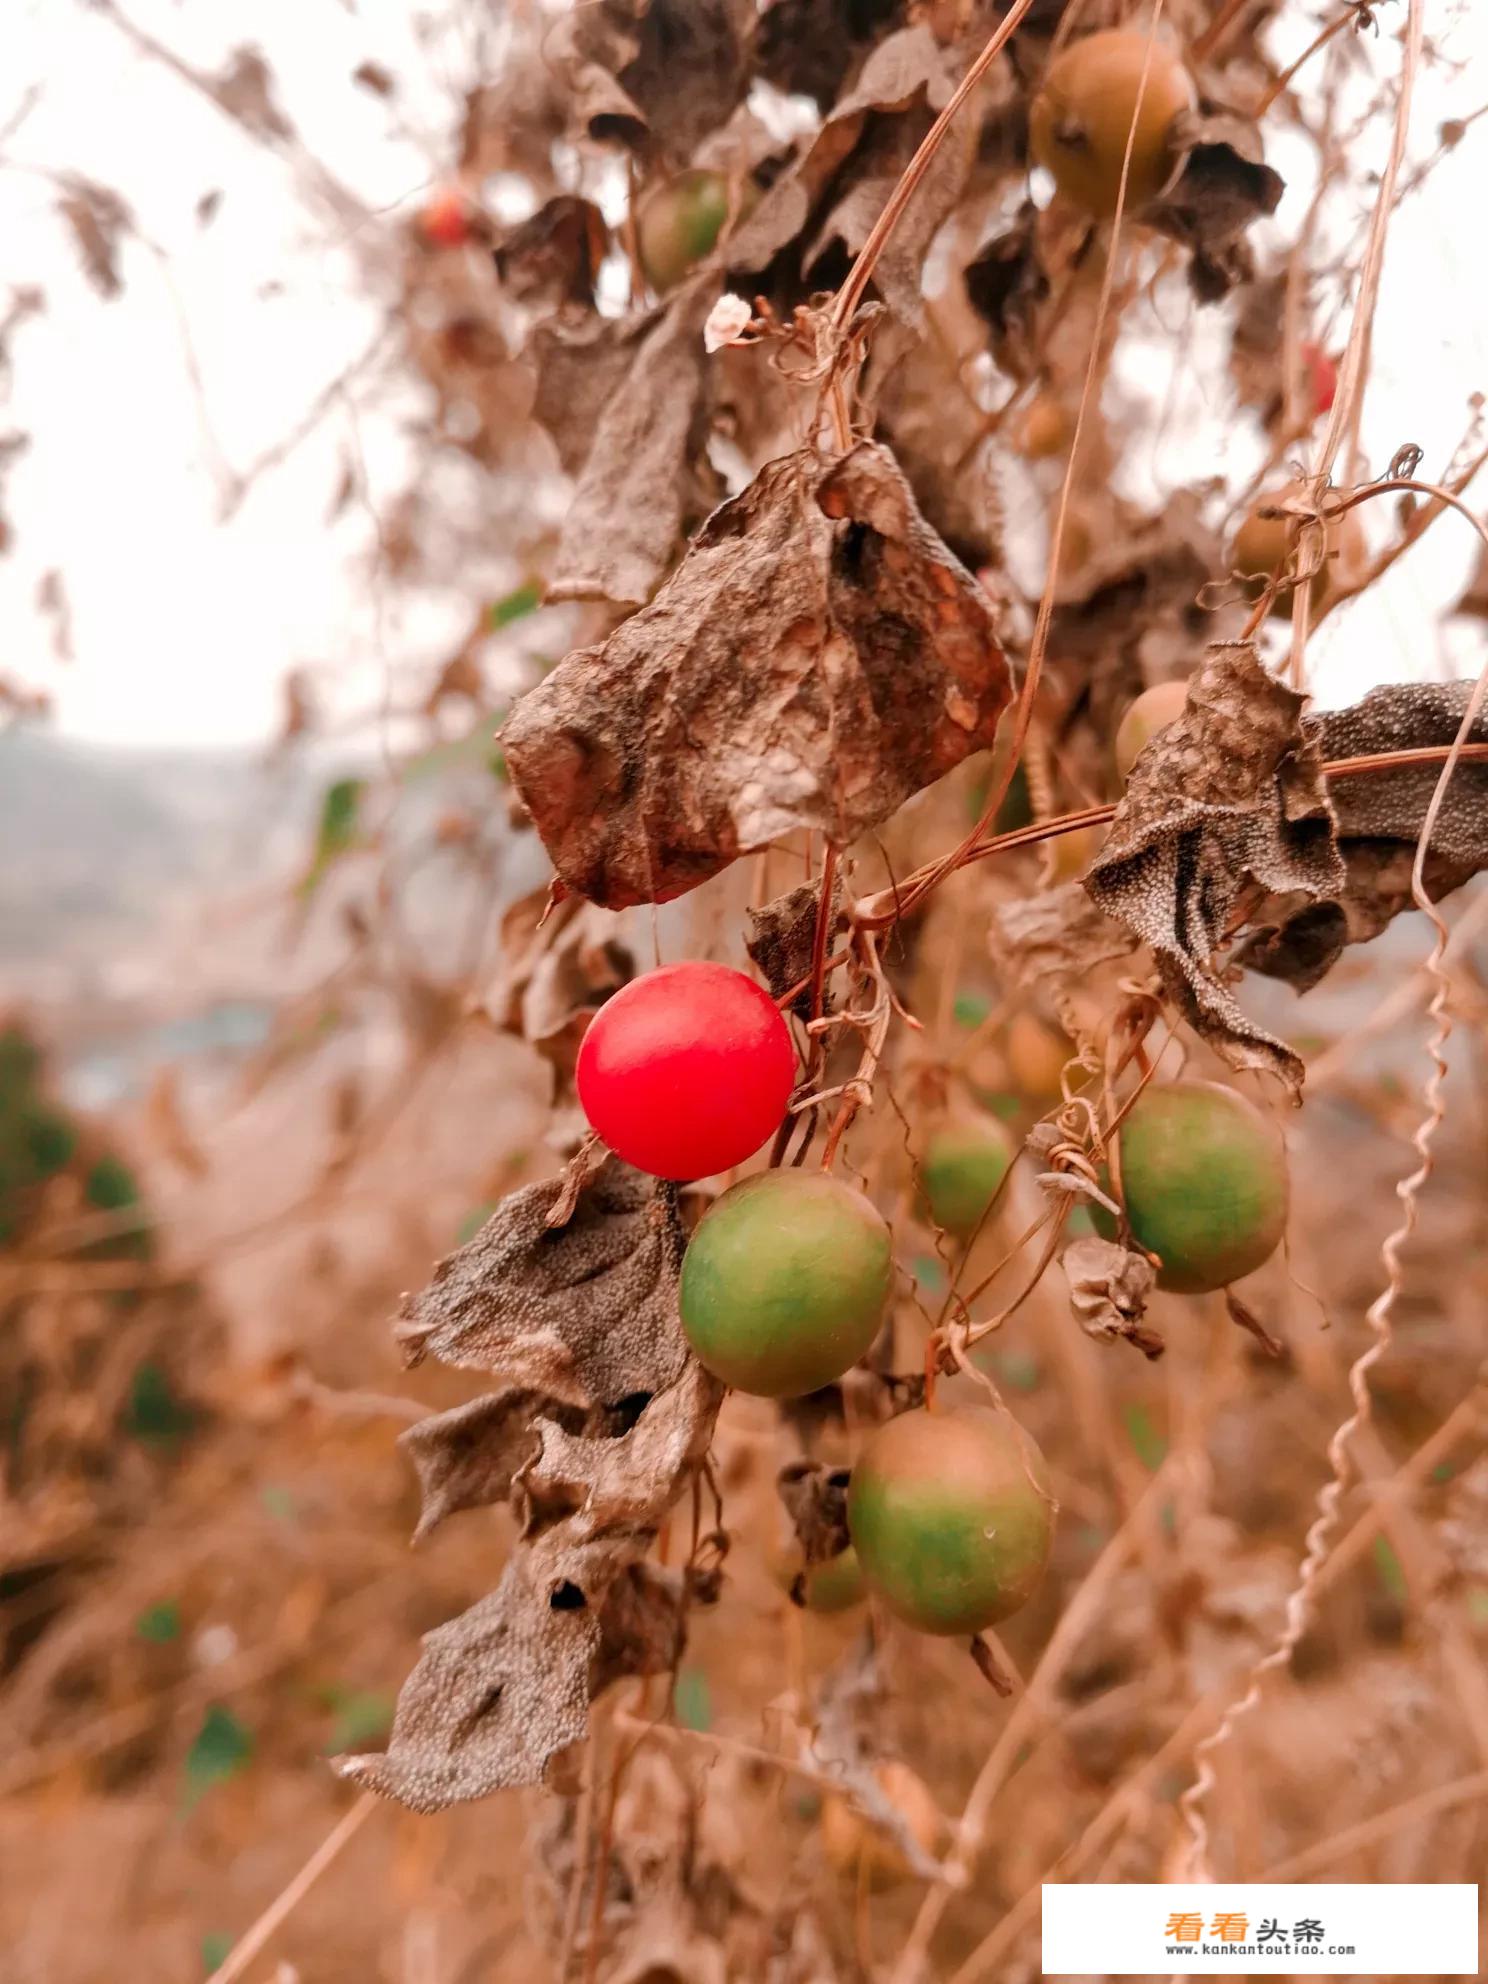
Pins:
x,y
729,317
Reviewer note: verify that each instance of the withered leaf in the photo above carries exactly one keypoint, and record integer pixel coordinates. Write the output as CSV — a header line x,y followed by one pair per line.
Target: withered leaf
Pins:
x,y
1229,795
586,1313
470,1456
1223,187
628,432
1007,285
553,258
835,189
1379,819
1109,1287
501,1691
783,940
666,72
560,962
815,1498
808,47
1056,933
818,657
98,217
245,90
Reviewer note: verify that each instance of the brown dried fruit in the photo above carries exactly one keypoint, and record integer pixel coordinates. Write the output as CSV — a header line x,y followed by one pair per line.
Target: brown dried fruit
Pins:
x,y
818,657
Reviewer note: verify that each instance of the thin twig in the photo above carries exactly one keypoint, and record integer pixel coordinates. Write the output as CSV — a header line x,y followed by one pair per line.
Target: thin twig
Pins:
x,y
247,1947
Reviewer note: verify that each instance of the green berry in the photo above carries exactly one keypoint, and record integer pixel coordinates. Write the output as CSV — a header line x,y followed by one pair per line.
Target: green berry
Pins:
x,y
950,1517
964,1164
785,1282
1204,1178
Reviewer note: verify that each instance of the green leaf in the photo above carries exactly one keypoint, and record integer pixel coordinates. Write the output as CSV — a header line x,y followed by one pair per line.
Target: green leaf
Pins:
x,y
338,831
970,1009
216,1947
159,1623
362,1716
515,606
1003,1105
1387,1565
693,1699
111,1186
221,1749
154,1413
1147,1443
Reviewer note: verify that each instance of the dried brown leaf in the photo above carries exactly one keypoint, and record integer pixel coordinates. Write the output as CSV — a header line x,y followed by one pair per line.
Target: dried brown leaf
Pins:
x,y
818,657
1379,819
99,218
553,258
245,90
815,1498
832,194
1057,933
560,962
1109,1286
660,73
1229,796
1008,286
809,47
503,1690
471,1456
782,941
1224,187
625,405
586,1313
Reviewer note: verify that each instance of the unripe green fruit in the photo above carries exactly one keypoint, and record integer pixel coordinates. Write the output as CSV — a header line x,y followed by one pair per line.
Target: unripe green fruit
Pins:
x,y
1152,711
834,1586
1204,1177
950,1518
678,224
964,1164
1079,121
784,1282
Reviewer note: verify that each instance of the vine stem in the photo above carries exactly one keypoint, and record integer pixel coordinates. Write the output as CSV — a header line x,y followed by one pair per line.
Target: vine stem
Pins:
x,y
248,1946
1378,1317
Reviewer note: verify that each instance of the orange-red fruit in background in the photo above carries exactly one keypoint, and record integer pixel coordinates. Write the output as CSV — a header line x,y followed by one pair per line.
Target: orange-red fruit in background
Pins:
x,y
1322,375
445,221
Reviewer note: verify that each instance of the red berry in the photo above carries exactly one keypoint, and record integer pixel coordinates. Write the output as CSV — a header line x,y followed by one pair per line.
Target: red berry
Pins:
x,y
1323,375
687,1070
446,219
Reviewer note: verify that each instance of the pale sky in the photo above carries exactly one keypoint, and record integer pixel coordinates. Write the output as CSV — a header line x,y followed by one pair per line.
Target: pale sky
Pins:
x,y
184,626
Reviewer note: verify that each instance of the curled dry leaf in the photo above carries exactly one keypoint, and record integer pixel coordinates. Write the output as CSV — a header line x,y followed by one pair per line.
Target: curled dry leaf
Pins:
x,y
833,193
815,1498
1379,820
586,1313
561,961
654,73
1224,186
1008,285
624,403
1109,1286
98,217
818,657
810,47
782,941
1057,933
553,257
850,1714
604,1420
1228,797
